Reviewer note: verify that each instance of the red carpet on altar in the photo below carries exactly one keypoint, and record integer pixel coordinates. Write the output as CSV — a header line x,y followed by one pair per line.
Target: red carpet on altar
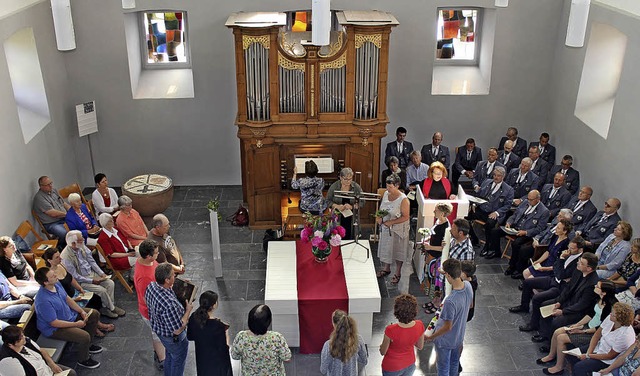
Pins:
x,y
322,288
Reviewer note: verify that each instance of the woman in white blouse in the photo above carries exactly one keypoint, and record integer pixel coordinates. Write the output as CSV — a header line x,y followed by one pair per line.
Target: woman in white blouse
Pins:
x,y
20,356
105,199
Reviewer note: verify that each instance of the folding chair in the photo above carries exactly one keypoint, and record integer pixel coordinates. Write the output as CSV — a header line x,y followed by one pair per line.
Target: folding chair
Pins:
x,y
117,273
75,188
40,245
42,228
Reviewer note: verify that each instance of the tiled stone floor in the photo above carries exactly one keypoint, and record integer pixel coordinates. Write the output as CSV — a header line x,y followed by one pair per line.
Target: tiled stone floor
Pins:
x,y
493,344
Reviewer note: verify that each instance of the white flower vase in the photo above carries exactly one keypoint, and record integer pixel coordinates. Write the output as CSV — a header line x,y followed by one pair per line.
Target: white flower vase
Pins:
x,y
215,243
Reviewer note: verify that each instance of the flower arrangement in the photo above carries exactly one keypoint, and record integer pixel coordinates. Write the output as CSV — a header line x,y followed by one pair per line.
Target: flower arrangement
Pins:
x,y
324,232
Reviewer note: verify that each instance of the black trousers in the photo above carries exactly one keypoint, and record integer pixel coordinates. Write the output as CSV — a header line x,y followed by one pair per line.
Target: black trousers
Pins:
x,y
540,300
538,283
489,224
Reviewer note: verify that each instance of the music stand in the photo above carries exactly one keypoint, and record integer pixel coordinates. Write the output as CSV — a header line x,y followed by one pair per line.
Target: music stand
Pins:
x,y
361,197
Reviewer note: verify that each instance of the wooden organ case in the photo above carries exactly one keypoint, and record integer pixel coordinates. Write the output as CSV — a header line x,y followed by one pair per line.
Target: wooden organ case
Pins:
x,y
298,99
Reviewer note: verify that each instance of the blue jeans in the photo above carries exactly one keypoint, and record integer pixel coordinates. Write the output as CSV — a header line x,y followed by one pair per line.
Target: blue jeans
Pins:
x,y
57,229
403,372
447,361
177,351
14,311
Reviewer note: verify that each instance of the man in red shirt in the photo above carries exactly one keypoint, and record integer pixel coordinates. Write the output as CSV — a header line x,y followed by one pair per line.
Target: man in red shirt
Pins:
x,y
145,274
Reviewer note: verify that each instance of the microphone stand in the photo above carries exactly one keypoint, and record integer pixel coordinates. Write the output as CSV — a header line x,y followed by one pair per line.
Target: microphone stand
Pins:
x,y
359,198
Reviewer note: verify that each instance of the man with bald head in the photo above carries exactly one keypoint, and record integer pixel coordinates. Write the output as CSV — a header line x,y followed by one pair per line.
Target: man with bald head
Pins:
x,y
529,220
582,207
435,151
601,225
168,250
507,157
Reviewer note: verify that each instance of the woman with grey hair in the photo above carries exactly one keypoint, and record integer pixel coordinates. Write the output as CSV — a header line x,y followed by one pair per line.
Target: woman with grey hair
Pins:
x,y
130,222
394,229
345,183
394,168
115,246
79,218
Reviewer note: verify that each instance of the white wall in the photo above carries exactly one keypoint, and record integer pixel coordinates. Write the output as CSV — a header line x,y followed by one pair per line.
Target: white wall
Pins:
x,y
194,140
50,152
609,165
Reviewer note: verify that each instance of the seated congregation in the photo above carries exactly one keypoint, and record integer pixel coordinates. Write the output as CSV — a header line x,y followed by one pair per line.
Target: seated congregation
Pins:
x,y
578,267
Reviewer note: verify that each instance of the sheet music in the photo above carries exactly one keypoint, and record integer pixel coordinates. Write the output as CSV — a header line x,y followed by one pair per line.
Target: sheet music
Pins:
x,y
546,311
575,351
346,213
325,164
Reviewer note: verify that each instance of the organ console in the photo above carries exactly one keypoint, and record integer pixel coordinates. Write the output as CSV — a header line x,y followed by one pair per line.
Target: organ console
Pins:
x,y
297,99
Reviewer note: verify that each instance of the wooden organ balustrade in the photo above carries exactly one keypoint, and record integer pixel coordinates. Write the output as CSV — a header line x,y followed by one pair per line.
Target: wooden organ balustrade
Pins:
x,y
295,98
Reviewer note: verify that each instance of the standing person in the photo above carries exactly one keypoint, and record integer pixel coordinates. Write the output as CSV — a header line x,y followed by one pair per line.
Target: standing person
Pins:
x,y
450,327
169,319
260,350
50,209
104,198
20,356
59,317
345,183
311,199
345,352
143,275
167,247
394,229
436,186
399,148
468,274
211,337
400,338
435,151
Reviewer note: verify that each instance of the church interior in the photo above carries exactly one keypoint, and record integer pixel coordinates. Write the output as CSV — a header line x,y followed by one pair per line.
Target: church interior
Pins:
x,y
195,121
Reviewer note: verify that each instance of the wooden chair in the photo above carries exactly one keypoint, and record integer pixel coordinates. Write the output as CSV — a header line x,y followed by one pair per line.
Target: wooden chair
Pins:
x,y
42,228
40,245
479,223
75,188
506,247
117,273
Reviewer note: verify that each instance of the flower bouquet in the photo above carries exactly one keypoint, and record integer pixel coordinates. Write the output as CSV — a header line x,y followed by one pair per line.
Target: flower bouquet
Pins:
x,y
324,232
425,233
380,213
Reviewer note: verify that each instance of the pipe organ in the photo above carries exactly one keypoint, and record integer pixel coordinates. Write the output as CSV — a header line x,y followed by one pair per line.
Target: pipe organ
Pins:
x,y
298,99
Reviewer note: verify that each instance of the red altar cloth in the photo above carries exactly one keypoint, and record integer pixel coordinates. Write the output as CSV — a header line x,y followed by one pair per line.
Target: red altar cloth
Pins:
x,y
322,288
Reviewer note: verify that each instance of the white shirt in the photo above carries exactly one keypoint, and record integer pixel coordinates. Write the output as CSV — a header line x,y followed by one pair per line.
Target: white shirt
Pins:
x,y
12,367
553,192
490,167
618,340
98,202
